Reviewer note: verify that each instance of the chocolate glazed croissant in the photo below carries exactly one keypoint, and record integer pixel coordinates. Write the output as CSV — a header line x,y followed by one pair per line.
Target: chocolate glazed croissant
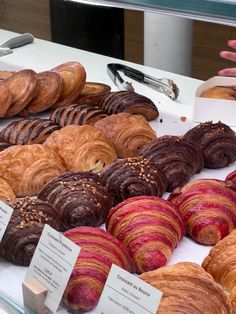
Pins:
x,y
186,289
28,131
177,158
132,177
24,229
208,208
221,264
129,133
79,199
217,142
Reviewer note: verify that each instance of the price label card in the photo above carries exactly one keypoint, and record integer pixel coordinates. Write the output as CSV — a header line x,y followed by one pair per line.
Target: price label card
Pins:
x,y
5,216
52,264
126,293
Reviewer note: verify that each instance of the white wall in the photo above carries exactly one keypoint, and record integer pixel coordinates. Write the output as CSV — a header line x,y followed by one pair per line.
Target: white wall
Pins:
x,y
168,43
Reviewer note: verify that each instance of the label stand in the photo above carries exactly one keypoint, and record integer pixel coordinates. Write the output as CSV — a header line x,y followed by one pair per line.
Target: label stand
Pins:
x,y
34,294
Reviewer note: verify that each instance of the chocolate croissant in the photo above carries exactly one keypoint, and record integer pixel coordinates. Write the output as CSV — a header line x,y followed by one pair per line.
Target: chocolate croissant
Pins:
x,y
127,101
150,227
99,250
208,208
27,168
28,131
220,263
24,229
6,193
82,148
132,177
4,145
186,289
79,199
176,157
217,142
129,133
78,115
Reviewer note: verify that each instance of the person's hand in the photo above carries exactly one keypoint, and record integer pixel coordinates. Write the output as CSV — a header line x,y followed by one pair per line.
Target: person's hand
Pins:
x,y
228,55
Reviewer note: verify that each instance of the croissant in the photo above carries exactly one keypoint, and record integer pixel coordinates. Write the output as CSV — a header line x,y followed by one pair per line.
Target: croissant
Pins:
x,y
82,148
230,180
186,289
217,142
177,158
24,229
49,88
28,131
78,115
22,86
98,251
5,99
79,199
128,133
92,93
208,208
74,77
6,193
5,74
28,168
132,177
221,264
127,101
149,227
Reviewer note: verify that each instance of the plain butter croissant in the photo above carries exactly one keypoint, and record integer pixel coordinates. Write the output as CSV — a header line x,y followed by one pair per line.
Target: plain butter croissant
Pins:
x,y
6,193
82,148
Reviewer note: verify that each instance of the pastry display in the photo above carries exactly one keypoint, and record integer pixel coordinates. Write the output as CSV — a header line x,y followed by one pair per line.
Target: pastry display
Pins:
x,y
99,250
220,92
27,168
82,148
48,90
79,199
176,157
78,115
221,264
131,102
230,180
28,131
133,177
208,208
5,99
217,142
150,227
6,193
22,86
24,229
186,289
73,75
92,93
129,133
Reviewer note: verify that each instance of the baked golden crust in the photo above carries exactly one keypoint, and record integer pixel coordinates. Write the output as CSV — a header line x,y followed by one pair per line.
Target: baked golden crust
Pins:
x,y
220,92
129,133
74,77
6,193
188,289
82,148
92,93
221,264
5,99
27,168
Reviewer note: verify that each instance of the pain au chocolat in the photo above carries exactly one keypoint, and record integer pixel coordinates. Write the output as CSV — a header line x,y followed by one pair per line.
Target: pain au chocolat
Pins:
x,y
79,198
132,177
208,208
99,250
82,148
24,229
28,131
186,289
27,168
176,157
129,133
217,142
131,102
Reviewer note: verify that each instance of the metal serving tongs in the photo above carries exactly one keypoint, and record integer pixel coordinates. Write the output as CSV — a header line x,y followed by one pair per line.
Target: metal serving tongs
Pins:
x,y
165,86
